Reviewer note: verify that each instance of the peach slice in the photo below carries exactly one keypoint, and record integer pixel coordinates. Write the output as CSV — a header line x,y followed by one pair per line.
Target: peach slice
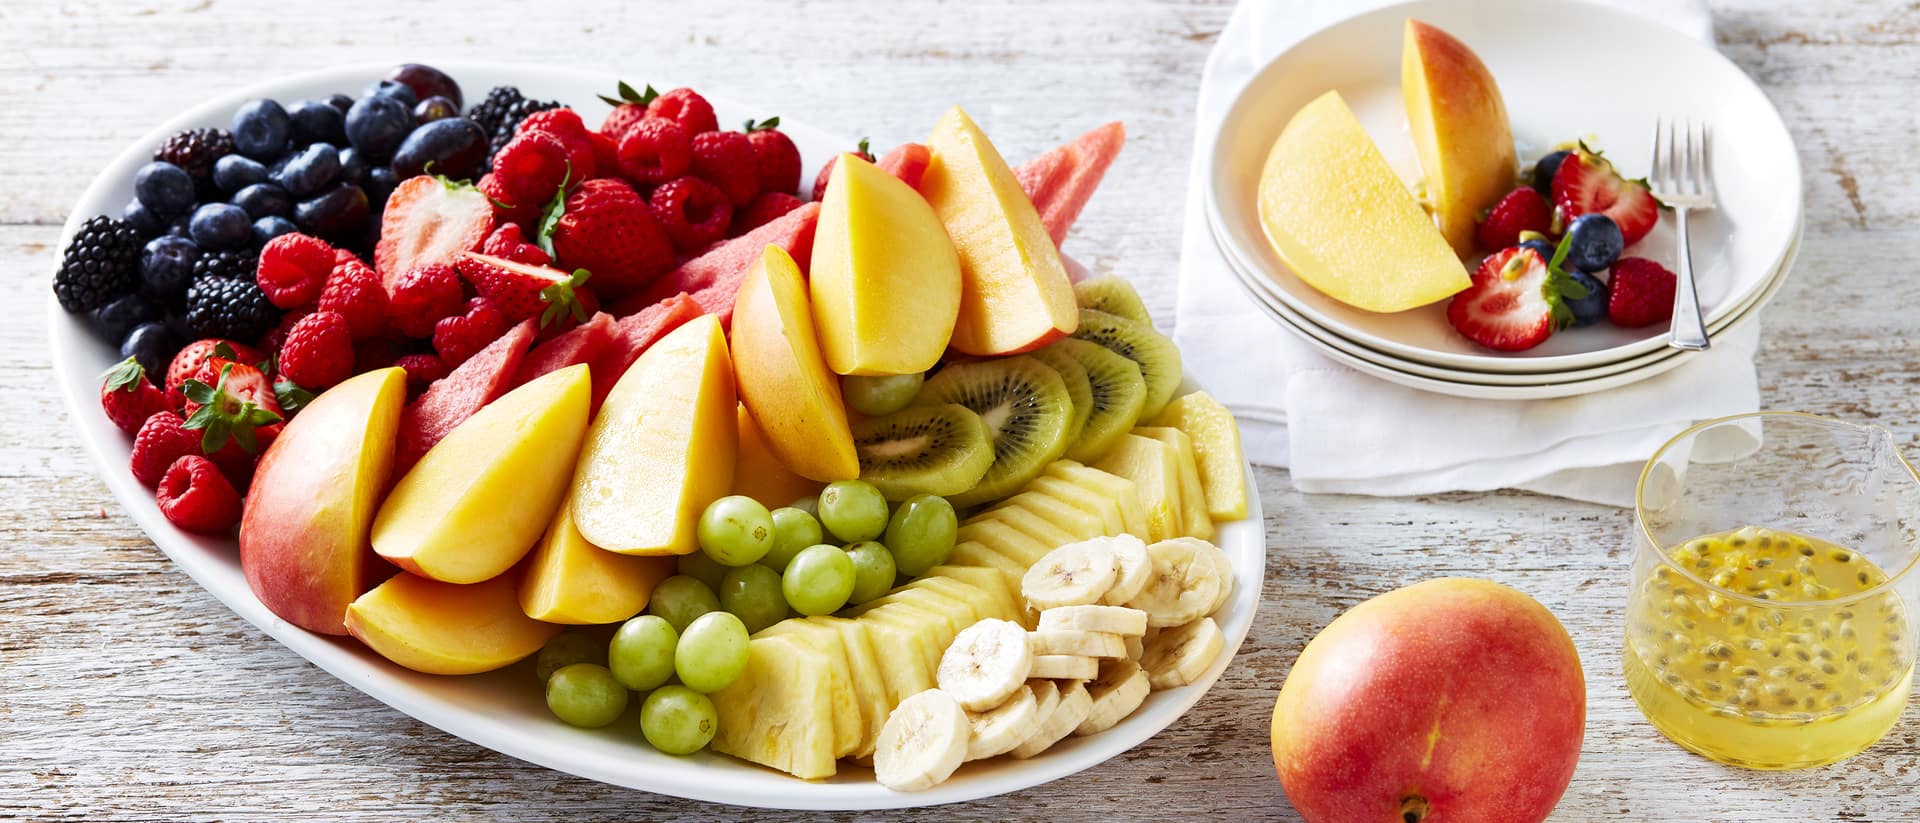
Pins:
x,y
446,628
782,377
1459,126
569,580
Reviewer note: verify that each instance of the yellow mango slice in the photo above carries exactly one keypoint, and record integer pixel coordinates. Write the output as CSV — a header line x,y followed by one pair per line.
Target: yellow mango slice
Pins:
x,y
446,628
569,580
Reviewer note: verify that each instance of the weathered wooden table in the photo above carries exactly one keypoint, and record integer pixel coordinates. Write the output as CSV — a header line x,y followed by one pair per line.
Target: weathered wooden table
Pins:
x,y
128,693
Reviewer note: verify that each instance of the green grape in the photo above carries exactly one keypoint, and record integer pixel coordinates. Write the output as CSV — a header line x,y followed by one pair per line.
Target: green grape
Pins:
x,y
873,571
793,530
641,654
752,593
566,649
712,652
680,599
921,534
810,505
735,530
701,566
818,580
886,394
678,720
853,510
586,695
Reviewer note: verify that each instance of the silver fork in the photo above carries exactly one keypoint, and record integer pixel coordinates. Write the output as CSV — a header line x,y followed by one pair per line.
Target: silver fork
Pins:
x,y
1683,178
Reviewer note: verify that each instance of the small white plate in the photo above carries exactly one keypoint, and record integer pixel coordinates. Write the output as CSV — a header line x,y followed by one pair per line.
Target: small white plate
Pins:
x,y
505,710
1553,93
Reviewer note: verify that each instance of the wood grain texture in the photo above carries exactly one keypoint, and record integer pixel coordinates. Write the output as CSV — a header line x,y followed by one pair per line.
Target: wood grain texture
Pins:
x,y
127,693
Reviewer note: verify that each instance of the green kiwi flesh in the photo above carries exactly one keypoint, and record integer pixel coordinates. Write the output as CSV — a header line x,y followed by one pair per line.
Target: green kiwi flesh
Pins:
x,y
940,449
1111,295
1118,392
1026,409
1159,359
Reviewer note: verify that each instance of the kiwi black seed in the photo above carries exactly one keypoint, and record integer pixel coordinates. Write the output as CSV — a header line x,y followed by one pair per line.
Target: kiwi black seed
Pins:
x,y
940,449
1026,409
1159,359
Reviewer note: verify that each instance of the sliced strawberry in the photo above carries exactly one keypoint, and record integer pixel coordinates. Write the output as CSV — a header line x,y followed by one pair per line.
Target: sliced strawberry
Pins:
x,y
429,220
228,401
1522,210
1588,184
1514,303
523,290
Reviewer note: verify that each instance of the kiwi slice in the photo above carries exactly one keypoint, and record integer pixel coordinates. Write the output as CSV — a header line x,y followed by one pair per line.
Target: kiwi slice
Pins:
x,y
1079,388
1159,359
938,449
1118,394
1026,410
1111,295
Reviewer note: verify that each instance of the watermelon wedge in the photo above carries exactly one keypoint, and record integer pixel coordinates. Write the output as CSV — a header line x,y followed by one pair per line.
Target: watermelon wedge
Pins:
x,y
716,276
1061,181
632,335
907,161
581,344
454,398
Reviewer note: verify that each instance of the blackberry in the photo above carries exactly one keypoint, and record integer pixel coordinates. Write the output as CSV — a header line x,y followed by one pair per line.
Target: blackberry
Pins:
x,y
102,263
196,150
228,307
510,120
489,112
232,264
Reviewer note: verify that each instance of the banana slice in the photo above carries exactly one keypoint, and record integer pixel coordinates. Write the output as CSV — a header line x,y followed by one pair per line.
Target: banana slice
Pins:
x,y
1225,566
1072,575
1120,689
997,731
1185,582
1136,646
1046,696
1076,642
1182,654
985,664
1118,620
1132,569
924,740
1064,667
1074,706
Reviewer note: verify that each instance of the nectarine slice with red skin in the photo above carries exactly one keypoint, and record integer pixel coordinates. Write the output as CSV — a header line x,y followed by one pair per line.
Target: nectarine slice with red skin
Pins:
x,y
780,371
1458,122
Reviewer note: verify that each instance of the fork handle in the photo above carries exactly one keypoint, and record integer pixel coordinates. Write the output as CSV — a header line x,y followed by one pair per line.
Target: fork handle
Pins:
x,y
1689,328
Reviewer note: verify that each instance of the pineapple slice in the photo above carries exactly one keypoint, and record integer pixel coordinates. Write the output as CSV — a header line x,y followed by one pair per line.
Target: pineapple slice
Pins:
x,y
1105,510
1006,540
1068,518
992,585
869,684
979,605
1123,492
973,554
929,631
1030,524
778,713
1152,467
847,728
1216,441
1193,500
900,646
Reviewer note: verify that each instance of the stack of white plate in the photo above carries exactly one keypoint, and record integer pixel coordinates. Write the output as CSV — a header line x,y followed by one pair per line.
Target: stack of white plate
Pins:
x,y
1741,251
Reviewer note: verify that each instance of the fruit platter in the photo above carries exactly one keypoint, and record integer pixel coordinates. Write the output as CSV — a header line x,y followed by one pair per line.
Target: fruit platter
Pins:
x,y
743,463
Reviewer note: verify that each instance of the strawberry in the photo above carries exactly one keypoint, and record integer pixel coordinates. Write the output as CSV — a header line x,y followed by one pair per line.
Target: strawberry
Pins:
x,y
521,291
686,107
161,440
425,294
421,369
509,241
1642,292
1514,303
129,398
775,155
564,125
199,352
766,207
694,212
527,171
456,338
826,171
629,108
293,269
608,229
654,151
196,497
228,401
1587,183
726,159
1523,209
429,220
318,352
355,293
606,154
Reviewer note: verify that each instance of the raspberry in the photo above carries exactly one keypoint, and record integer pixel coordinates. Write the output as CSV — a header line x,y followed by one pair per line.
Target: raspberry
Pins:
x,y
161,440
509,242
564,125
355,293
277,336
318,352
458,337
294,268
129,398
1641,292
423,295
686,107
422,370
195,496
526,173
694,212
378,353
623,117
775,156
726,159
766,207
655,151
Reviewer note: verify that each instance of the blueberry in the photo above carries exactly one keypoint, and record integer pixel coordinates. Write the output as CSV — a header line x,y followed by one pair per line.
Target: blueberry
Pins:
x,y
269,227
381,182
115,319
309,170
153,344
377,123
164,188
180,226
218,226
263,200
1593,242
261,130
427,81
394,89
435,108
144,221
454,147
1544,247
353,166
334,212
166,266
1592,308
315,121
235,172
1544,170
340,101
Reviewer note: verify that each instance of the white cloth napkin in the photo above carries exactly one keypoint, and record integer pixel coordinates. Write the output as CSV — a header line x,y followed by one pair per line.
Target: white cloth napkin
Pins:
x,y
1341,431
